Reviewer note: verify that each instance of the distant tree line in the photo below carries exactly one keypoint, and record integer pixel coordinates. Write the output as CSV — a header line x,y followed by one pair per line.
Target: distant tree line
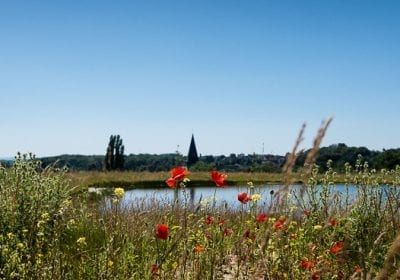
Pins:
x,y
338,153
165,162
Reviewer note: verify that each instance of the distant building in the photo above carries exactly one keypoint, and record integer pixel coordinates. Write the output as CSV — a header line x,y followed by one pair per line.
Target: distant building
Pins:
x,y
192,154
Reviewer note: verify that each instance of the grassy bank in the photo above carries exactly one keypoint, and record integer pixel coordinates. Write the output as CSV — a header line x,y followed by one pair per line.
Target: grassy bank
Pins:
x,y
129,180
152,179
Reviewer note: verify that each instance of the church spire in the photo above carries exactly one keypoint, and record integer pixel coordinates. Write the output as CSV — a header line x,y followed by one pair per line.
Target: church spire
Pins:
x,y
192,154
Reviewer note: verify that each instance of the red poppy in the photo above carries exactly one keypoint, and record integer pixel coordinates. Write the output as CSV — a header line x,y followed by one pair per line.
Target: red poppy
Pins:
x,y
209,220
162,231
244,198
261,218
228,231
221,222
171,182
333,222
337,247
218,178
306,264
280,223
307,212
177,173
208,235
155,270
199,249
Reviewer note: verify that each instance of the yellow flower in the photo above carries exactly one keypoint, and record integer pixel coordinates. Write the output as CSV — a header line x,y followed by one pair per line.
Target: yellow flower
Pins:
x,y
110,263
20,246
119,192
317,227
81,241
255,197
45,216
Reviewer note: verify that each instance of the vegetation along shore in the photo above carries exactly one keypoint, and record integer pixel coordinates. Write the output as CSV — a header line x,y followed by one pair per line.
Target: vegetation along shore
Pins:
x,y
49,230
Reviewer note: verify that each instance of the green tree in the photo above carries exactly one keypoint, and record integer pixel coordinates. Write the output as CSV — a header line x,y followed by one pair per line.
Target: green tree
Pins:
x,y
115,154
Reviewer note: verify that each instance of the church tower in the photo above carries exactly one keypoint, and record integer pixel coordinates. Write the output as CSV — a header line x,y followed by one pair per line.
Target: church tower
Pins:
x,y
192,154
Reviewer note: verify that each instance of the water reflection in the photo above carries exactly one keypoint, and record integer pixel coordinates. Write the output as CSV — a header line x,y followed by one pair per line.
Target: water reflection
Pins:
x,y
219,196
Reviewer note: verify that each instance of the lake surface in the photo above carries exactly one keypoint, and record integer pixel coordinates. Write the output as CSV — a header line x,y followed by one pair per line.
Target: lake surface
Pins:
x,y
221,196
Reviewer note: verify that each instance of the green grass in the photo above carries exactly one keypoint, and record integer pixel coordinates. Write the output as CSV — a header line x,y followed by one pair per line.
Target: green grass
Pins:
x,y
48,231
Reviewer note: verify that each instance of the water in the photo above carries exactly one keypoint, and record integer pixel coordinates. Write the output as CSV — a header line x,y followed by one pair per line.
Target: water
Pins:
x,y
223,196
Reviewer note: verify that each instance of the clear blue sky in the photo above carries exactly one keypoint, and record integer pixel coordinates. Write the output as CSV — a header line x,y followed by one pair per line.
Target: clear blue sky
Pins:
x,y
237,74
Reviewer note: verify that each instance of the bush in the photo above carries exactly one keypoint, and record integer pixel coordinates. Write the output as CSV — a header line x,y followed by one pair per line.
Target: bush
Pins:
x,y
32,205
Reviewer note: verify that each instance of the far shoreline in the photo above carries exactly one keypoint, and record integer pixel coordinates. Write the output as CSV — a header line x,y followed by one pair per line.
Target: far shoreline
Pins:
x,y
82,180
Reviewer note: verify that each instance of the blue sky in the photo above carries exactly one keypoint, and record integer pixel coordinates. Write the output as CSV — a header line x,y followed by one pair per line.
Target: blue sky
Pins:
x,y
237,74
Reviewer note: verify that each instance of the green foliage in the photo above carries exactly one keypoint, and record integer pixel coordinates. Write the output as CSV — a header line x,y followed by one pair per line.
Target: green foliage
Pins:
x,y
312,231
114,159
75,162
340,154
165,162
32,206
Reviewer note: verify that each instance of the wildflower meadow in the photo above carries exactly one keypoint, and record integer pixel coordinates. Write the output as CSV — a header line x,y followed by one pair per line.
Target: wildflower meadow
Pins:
x,y
49,230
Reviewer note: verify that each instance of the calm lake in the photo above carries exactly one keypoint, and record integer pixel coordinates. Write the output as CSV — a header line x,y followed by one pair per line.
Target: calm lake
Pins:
x,y
223,196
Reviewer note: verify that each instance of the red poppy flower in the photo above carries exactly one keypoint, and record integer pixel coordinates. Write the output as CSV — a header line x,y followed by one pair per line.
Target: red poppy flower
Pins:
x,y
307,212
209,220
171,182
154,269
333,222
280,223
199,249
261,218
306,264
221,222
162,231
244,198
337,247
228,231
218,178
177,173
